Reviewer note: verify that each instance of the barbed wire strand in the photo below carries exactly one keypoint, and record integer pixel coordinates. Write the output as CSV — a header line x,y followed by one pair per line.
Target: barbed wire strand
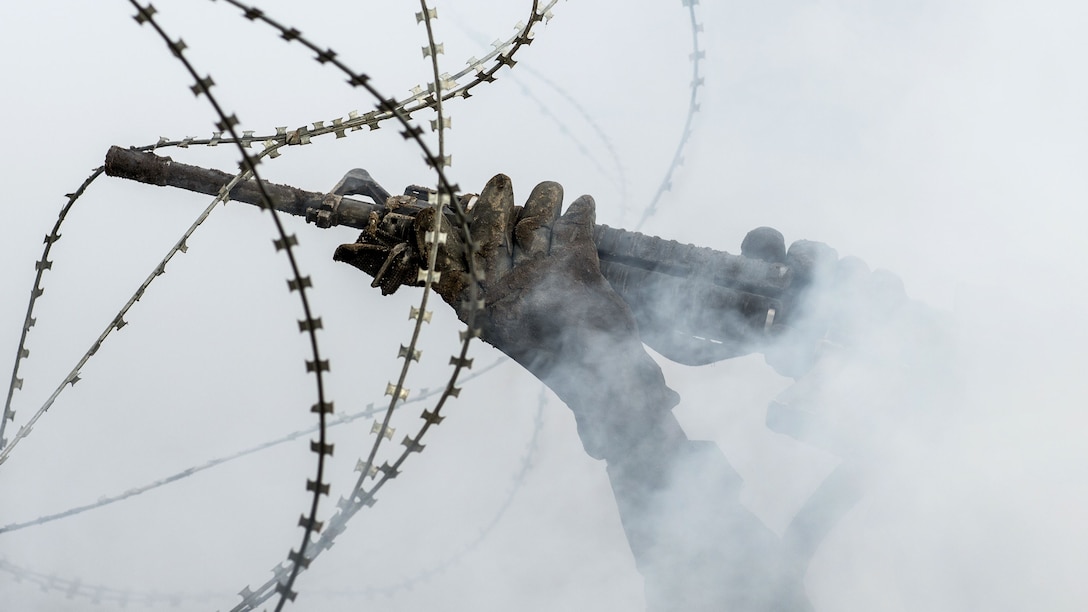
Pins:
x,y
485,531
502,54
428,274
309,325
74,587
300,560
360,497
619,177
342,418
300,136
36,291
296,137
697,56
118,322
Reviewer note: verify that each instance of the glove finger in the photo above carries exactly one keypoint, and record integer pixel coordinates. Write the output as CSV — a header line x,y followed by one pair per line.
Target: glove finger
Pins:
x,y
533,232
764,243
812,262
575,227
490,226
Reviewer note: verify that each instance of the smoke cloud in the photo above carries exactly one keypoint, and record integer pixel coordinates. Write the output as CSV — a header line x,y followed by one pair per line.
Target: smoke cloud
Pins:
x,y
942,143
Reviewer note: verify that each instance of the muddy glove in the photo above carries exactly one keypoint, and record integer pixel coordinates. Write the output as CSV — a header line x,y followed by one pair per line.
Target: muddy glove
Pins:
x,y
546,305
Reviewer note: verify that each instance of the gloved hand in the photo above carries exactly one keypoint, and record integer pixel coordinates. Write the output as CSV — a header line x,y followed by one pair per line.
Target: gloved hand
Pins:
x,y
547,306
869,363
832,300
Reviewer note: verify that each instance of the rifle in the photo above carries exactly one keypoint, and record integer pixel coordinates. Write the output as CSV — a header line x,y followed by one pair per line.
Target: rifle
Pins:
x,y
719,303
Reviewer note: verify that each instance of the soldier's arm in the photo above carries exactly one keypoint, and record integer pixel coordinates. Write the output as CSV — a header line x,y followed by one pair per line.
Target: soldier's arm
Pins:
x,y
547,306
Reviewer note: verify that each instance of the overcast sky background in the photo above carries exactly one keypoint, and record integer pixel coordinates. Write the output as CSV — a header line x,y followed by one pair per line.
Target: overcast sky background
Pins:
x,y
946,141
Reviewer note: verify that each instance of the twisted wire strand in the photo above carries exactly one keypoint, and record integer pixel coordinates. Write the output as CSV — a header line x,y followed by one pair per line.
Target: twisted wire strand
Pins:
x,y
284,577
301,136
118,322
342,418
309,326
36,291
397,391
697,56
77,588
501,55
619,177
452,558
73,588
409,353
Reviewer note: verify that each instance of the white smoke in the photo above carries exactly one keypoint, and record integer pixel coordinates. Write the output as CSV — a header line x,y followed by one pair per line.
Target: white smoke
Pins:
x,y
942,142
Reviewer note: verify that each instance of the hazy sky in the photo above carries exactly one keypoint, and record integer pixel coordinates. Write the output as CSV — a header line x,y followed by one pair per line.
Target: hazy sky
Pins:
x,y
946,141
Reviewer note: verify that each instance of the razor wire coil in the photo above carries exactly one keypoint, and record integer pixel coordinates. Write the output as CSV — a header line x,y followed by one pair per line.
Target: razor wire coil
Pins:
x,y
443,87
